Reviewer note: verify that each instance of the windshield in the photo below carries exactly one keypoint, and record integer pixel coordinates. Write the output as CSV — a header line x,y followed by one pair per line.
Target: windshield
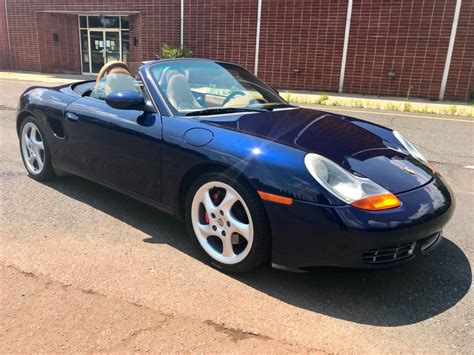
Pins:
x,y
202,87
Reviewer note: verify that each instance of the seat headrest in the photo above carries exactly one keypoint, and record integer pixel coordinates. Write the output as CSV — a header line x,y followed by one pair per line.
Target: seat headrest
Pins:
x,y
118,70
179,93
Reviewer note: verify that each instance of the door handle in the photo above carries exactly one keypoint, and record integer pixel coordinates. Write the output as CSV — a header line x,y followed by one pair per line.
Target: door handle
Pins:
x,y
72,117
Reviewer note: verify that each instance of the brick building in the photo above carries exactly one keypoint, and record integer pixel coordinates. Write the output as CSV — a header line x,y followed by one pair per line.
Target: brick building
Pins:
x,y
420,48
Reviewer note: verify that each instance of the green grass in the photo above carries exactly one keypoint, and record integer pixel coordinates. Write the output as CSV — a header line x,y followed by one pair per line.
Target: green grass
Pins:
x,y
403,106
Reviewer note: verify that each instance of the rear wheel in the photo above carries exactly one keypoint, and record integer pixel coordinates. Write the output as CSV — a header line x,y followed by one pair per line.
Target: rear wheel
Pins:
x,y
228,222
35,150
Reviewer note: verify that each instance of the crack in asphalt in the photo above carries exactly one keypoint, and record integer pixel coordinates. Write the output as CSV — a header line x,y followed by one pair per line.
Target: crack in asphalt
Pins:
x,y
128,339
7,108
10,174
448,155
235,335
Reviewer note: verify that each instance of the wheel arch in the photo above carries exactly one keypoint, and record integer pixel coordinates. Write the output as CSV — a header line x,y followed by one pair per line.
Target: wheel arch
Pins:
x,y
209,167
20,118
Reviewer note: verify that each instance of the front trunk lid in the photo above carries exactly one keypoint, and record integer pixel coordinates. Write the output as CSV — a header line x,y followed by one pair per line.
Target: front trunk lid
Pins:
x,y
363,148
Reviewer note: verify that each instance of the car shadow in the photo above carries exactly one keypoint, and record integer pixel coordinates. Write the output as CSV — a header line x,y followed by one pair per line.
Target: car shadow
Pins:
x,y
397,296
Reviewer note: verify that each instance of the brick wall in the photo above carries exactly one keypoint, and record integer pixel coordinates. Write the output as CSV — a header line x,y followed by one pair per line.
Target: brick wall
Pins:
x,y
408,37
63,55
31,39
136,54
222,30
460,83
4,49
305,35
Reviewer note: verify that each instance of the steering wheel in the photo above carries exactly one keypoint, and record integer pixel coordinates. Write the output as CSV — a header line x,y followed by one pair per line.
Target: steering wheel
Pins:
x,y
108,67
232,95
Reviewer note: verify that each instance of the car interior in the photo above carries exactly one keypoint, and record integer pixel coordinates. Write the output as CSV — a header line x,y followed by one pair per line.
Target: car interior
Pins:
x,y
114,76
195,87
185,89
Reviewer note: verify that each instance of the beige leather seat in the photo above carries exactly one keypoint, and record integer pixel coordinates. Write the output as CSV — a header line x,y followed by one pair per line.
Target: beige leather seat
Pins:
x,y
179,93
119,79
114,76
240,101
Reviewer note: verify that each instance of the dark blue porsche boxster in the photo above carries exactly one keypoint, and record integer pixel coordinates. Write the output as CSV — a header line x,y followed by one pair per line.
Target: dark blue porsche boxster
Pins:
x,y
255,179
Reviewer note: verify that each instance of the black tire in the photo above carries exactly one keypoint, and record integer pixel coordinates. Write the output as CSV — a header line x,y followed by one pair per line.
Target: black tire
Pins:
x,y
261,246
47,172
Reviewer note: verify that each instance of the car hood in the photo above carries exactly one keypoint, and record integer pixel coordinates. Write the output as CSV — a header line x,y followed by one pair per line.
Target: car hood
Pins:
x,y
365,149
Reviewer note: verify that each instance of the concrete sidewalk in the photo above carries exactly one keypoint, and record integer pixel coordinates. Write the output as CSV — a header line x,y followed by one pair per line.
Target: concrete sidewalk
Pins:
x,y
44,78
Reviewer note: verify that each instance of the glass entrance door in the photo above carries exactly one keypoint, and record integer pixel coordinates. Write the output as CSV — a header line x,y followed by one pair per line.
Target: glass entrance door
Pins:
x,y
104,47
112,46
96,45
103,39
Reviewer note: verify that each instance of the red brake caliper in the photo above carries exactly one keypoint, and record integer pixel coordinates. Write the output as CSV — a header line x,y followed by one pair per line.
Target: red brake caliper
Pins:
x,y
215,199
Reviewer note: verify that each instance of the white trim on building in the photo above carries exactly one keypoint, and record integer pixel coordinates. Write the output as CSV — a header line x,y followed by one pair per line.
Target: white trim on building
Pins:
x,y
452,39
257,38
346,45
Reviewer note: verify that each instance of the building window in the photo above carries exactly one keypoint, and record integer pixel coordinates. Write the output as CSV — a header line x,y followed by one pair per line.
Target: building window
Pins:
x,y
84,50
104,21
124,22
103,39
83,21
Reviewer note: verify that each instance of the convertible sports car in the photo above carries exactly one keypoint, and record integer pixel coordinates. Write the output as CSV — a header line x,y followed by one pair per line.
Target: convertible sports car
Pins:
x,y
255,179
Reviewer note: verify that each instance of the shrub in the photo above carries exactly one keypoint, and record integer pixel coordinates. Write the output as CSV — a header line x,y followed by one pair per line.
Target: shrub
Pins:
x,y
453,109
391,107
358,103
322,99
287,97
168,51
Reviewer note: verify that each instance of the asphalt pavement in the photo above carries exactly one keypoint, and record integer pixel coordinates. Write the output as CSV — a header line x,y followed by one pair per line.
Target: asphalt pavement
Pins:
x,y
85,268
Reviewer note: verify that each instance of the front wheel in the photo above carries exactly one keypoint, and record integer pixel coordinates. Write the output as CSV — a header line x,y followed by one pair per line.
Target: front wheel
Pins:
x,y
229,223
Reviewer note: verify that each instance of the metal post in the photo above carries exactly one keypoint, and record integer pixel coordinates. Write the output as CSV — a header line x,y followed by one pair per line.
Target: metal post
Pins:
x,y
257,39
8,36
452,39
181,39
346,44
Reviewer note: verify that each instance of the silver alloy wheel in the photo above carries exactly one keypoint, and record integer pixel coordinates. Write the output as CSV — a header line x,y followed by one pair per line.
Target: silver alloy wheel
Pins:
x,y
221,223
32,148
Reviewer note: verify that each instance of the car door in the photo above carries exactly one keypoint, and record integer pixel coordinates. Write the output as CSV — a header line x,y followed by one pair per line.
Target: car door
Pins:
x,y
118,147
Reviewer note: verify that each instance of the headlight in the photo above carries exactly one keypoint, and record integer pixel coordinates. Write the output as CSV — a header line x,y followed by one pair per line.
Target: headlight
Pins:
x,y
411,148
359,192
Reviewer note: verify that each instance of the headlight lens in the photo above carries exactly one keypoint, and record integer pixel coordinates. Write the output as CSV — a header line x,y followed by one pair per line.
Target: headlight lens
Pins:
x,y
411,148
359,192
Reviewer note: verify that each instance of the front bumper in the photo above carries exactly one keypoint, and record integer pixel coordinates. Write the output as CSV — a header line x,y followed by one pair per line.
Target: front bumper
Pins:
x,y
306,234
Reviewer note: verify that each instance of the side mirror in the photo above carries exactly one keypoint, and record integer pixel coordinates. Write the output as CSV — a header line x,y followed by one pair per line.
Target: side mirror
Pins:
x,y
125,100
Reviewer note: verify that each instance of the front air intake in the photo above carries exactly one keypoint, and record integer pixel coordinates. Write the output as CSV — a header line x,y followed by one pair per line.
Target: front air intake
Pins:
x,y
389,254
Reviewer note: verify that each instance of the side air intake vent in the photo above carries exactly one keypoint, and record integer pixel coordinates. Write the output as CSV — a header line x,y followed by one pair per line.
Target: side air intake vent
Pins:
x,y
57,127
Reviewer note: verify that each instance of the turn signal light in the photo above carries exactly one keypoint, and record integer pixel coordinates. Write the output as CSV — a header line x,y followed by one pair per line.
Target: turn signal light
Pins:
x,y
275,198
377,202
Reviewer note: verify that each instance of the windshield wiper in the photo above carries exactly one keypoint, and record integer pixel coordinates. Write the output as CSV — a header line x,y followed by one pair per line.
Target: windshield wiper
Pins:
x,y
218,110
278,105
